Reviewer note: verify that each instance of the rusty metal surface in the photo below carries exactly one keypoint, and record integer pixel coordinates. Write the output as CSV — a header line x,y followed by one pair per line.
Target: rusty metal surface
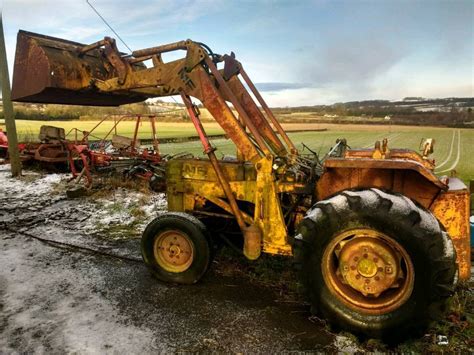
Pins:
x,y
257,135
363,268
394,154
254,113
160,49
451,208
51,153
252,242
210,151
215,103
50,70
269,112
393,164
367,173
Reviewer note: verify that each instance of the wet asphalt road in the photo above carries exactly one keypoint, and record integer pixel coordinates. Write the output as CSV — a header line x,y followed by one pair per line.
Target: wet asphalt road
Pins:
x,y
65,300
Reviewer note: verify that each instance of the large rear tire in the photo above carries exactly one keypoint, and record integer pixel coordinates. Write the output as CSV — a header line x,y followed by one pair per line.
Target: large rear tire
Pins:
x,y
374,263
176,247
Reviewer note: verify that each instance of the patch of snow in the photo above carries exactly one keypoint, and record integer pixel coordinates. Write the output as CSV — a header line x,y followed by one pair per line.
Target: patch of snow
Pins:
x,y
346,345
315,214
35,196
158,203
116,209
404,205
339,202
398,205
428,221
59,310
448,247
352,193
369,198
30,184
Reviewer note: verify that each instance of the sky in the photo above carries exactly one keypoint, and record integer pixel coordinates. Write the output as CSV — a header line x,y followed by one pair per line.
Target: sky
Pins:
x,y
298,52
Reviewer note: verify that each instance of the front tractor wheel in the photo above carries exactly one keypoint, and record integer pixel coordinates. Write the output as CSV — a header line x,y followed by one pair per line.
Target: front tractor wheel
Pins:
x,y
374,263
176,247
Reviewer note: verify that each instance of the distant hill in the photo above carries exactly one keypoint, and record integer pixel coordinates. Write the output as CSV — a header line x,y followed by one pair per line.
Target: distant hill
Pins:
x,y
415,103
452,111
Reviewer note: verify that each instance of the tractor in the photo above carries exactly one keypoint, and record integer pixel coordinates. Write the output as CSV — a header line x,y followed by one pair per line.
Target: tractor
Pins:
x,y
378,240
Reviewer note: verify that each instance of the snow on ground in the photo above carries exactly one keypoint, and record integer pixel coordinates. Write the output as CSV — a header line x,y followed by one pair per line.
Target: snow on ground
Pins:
x,y
125,208
67,300
35,192
108,220
346,345
29,184
45,314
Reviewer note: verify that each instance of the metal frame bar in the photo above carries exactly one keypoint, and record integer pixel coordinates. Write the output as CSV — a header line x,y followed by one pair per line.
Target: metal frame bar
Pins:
x,y
209,150
269,112
243,114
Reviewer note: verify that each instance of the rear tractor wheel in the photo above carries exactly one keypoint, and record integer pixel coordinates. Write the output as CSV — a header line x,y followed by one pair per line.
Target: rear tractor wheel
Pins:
x,y
374,263
176,247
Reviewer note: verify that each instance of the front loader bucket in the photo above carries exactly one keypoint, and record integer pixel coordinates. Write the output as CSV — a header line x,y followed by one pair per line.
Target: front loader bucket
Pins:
x,y
50,70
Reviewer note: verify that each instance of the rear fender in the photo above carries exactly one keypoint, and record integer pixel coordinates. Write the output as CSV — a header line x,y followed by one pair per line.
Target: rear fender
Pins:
x,y
407,177
451,208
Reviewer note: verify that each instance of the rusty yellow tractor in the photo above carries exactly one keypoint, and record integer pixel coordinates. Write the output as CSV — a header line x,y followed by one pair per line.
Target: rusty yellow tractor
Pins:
x,y
379,241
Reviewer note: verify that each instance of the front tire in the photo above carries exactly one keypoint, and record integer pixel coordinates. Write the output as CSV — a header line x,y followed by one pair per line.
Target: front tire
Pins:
x,y
374,263
176,247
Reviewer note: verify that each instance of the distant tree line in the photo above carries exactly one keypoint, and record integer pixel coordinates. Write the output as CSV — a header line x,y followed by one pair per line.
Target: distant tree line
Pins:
x,y
53,112
451,111
410,110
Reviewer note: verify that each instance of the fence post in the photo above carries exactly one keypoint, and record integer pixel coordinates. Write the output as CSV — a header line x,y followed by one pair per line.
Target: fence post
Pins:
x,y
14,154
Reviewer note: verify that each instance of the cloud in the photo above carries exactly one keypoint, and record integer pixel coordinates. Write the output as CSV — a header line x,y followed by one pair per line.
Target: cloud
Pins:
x,y
351,61
299,52
76,19
275,86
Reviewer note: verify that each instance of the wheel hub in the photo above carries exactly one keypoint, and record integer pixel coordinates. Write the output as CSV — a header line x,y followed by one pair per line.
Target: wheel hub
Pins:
x,y
369,270
173,251
369,265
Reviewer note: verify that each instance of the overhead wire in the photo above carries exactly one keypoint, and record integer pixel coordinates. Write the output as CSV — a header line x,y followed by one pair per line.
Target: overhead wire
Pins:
x,y
125,44
111,28
215,57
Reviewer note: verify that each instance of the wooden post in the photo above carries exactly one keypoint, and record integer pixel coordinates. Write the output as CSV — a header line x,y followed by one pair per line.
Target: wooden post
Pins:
x,y
13,152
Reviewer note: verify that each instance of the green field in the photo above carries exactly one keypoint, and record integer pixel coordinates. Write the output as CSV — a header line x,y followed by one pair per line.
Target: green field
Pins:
x,y
461,160
454,148
28,130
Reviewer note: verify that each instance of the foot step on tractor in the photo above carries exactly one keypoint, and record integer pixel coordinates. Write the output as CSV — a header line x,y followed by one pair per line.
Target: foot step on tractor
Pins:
x,y
379,241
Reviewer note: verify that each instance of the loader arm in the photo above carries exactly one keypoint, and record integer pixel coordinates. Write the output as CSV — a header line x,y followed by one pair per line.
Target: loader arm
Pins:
x,y
51,70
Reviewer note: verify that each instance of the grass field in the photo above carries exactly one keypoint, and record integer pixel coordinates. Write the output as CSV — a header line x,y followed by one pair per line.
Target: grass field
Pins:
x,y
28,130
460,157
454,148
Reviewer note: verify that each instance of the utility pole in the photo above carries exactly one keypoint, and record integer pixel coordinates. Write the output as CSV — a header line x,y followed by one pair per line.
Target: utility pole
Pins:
x,y
13,152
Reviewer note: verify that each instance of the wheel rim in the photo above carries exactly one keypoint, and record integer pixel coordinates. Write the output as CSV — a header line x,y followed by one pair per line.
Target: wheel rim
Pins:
x,y
368,271
173,251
